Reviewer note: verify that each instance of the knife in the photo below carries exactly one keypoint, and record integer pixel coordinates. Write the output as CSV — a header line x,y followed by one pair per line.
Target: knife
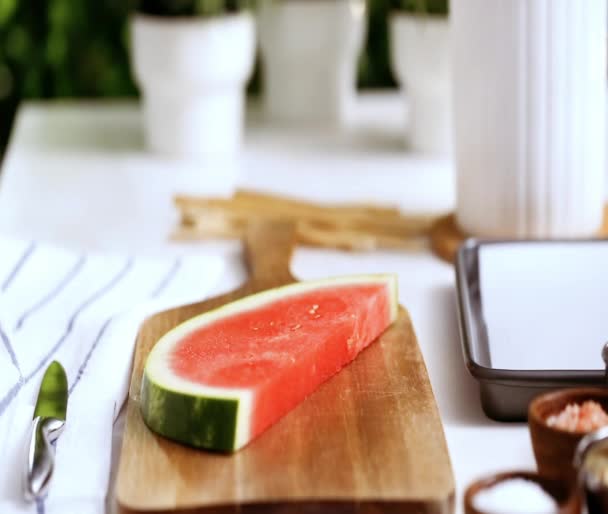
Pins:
x,y
47,425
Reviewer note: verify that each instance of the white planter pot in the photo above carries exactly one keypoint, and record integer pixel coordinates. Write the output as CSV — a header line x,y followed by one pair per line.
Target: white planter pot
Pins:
x,y
420,57
192,73
310,51
529,101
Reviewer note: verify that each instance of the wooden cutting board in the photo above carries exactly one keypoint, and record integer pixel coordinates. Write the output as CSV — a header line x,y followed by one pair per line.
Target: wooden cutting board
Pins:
x,y
369,440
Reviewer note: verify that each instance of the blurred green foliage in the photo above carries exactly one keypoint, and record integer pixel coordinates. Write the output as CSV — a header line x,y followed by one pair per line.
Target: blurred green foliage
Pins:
x,y
61,48
72,48
438,7
191,7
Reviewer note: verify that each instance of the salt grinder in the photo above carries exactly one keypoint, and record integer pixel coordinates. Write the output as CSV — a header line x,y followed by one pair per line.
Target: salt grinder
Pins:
x,y
591,461
605,359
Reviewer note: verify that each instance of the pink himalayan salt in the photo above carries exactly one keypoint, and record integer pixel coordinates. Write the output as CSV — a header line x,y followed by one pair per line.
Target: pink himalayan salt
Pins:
x,y
579,418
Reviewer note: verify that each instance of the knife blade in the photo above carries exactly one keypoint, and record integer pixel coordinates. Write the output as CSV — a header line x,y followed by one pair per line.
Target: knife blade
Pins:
x,y
47,425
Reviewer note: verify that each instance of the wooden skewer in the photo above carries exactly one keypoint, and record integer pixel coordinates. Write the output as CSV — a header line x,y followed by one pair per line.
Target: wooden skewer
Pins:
x,y
351,218
307,234
353,240
287,204
349,226
244,200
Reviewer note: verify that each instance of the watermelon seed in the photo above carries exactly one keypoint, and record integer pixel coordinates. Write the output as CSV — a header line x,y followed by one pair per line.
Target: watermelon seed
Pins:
x,y
314,309
317,316
296,327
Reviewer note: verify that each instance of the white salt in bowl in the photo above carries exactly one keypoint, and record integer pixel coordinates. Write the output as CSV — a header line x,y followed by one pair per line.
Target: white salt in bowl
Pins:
x,y
520,492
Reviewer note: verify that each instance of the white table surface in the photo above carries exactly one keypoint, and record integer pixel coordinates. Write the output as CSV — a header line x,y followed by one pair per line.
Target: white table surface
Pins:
x,y
76,173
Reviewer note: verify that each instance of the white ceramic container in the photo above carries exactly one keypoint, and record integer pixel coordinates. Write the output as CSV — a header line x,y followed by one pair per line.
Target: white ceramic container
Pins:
x,y
192,73
310,50
420,55
529,110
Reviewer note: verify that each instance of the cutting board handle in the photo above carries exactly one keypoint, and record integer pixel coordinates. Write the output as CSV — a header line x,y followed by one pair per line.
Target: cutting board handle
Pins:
x,y
268,250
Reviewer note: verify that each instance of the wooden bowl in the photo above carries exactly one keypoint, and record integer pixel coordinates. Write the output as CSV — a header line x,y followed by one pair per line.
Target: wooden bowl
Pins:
x,y
564,493
554,448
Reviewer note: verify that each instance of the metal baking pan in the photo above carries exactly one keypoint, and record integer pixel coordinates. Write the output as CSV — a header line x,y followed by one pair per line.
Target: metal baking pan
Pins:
x,y
533,317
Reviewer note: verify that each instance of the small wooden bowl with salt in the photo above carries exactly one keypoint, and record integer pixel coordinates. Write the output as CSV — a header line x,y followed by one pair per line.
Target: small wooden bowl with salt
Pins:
x,y
521,492
558,421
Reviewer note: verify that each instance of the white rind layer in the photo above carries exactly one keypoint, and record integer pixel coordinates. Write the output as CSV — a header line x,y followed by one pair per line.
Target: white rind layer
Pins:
x,y
158,371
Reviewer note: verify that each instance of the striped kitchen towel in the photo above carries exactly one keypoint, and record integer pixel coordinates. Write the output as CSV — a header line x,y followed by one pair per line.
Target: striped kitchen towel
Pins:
x,y
84,311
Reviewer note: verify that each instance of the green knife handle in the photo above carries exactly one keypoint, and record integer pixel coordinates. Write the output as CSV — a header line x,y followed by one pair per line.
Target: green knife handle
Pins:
x,y
41,456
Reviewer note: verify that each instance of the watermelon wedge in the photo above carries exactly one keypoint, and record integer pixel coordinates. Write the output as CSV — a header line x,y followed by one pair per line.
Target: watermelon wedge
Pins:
x,y
220,379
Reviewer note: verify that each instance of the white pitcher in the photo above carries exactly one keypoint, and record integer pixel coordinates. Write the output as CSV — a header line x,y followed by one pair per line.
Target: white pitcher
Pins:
x,y
529,82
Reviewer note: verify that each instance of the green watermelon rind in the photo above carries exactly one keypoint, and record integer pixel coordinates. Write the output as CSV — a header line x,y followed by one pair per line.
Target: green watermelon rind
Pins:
x,y
198,421
218,418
